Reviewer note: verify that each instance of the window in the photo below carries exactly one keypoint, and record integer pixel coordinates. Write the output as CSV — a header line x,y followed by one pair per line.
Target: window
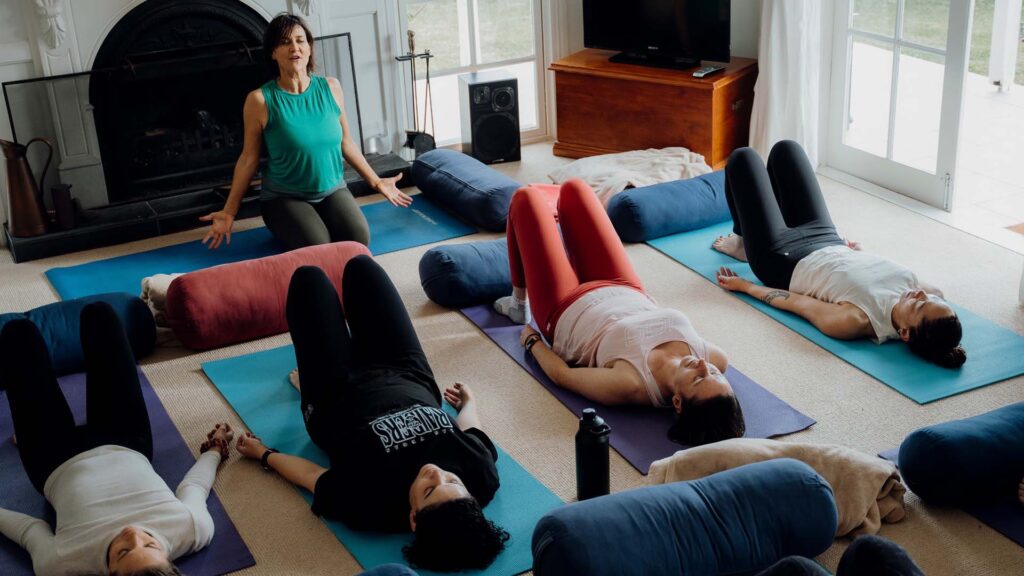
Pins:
x,y
473,36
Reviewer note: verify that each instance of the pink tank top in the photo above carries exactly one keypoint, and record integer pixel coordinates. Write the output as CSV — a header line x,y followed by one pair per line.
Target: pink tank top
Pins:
x,y
619,323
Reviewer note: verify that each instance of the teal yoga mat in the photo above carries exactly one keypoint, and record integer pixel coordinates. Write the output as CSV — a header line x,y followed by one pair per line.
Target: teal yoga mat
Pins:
x,y
391,229
993,352
257,387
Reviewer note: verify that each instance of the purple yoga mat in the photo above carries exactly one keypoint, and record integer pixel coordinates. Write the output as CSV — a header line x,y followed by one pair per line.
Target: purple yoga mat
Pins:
x,y
1007,518
171,459
639,432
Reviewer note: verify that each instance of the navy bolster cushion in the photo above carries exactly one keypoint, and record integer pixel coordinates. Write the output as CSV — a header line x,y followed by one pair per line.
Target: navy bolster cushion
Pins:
x,y
461,275
967,461
737,521
640,214
462,184
59,323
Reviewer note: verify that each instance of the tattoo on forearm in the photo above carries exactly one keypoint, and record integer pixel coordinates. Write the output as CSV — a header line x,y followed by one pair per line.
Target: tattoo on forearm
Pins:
x,y
769,297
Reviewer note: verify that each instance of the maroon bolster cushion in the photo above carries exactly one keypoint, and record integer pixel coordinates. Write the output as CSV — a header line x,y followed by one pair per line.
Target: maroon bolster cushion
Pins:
x,y
242,301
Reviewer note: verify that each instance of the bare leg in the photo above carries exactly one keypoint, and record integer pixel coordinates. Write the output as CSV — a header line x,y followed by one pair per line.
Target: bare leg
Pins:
x,y
731,245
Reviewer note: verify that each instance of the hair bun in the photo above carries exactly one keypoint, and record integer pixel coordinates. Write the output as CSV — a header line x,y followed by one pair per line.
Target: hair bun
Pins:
x,y
954,358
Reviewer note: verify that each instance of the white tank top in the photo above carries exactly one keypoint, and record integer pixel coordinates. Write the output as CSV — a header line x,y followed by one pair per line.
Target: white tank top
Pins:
x,y
619,323
838,274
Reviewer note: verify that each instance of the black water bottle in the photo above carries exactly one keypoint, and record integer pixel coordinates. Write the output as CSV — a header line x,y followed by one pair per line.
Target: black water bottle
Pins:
x,y
592,456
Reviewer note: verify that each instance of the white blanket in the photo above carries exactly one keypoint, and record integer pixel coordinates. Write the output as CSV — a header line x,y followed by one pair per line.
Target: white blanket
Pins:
x,y
154,294
867,489
610,174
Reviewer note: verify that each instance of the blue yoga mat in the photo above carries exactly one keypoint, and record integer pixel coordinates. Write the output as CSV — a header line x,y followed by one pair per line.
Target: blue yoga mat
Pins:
x,y
171,460
391,229
257,387
993,352
1007,518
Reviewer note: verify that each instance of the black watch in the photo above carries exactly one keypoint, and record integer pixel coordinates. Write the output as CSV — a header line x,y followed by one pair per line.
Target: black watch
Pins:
x,y
264,460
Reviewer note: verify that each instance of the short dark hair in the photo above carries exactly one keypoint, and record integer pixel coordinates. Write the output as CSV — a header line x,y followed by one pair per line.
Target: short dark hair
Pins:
x,y
455,535
938,340
710,420
279,28
165,570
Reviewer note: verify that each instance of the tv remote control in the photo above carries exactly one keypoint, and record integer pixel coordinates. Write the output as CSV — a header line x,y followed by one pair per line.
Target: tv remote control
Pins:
x,y
705,70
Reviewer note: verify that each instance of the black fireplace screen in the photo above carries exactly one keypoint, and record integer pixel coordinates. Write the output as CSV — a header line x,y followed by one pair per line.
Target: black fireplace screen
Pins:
x,y
164,123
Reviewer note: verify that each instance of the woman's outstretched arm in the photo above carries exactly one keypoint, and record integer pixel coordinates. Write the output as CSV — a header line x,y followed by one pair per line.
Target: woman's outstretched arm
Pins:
x,y
842,321
32,534
354,155
294,469
607,386
253,116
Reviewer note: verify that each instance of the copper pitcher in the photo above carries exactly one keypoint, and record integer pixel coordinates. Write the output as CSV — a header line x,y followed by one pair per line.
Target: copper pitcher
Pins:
x,y
27,216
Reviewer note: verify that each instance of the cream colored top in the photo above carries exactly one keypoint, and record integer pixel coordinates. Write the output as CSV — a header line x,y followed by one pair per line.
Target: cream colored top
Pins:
x,y
838,274
619,323
99,492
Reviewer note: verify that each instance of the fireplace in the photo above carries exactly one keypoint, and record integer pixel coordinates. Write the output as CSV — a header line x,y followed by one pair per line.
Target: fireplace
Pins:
x,y
167,93
149,136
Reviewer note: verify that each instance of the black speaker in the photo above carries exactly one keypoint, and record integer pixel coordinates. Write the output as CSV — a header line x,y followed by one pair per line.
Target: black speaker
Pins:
x,y
489,104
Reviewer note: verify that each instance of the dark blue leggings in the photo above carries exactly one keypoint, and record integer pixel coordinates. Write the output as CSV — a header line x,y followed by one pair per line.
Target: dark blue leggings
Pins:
x,y
779,210
43,422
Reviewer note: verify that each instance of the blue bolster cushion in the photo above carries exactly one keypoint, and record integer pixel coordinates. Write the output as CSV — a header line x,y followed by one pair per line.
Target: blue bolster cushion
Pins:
x,y
967,461
462,184
737,521
59,322
641,214
460,275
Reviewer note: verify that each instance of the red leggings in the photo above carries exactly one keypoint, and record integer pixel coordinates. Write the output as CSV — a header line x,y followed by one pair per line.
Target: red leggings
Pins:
x,y
557,270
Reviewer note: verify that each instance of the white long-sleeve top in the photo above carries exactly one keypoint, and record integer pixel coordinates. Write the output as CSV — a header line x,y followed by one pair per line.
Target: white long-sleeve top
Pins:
x,y
99,492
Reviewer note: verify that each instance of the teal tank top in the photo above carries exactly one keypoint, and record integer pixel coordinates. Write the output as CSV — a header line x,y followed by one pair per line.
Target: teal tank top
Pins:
x,y
303,139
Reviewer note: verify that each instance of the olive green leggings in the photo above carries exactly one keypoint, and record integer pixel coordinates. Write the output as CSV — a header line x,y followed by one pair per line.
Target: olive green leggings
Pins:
x,y
298,223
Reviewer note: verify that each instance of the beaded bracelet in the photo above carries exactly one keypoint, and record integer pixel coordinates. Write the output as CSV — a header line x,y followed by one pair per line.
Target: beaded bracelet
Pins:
x,y
219,443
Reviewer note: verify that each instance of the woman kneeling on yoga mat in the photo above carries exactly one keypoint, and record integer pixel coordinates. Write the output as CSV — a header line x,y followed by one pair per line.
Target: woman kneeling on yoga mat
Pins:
x,y
114,513
781,225
590,304
370,401
301,120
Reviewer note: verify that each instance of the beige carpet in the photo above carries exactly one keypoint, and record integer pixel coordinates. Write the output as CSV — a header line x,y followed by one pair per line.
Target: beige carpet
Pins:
x,y
851,407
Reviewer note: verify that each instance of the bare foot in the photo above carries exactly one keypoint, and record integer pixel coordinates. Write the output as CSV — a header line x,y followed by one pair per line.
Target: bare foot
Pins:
x,y
731,245
853,245
293,377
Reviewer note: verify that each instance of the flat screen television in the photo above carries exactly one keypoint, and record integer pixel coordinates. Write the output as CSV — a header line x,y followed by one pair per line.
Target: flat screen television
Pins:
x,y
669,33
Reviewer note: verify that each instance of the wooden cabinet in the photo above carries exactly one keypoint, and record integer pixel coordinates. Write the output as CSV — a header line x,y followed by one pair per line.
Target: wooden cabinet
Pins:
x,y
606,107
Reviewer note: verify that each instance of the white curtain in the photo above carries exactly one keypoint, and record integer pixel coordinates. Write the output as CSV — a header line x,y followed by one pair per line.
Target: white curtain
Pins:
x,y
787,92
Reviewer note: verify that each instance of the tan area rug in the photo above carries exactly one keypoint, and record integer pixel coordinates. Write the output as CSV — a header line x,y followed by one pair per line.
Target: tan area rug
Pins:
x,y
531,425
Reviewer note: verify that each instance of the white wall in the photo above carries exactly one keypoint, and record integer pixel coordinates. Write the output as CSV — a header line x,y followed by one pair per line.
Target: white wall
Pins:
x,y
745,32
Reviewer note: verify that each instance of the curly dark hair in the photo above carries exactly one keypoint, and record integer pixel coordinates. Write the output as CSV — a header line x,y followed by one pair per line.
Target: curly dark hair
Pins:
x,y
938,341
710,420
279,28
455,535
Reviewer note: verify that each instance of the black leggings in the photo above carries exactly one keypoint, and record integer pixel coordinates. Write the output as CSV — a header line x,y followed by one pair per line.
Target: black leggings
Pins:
x,y
866,556
43,422
779,211
298,223
334,347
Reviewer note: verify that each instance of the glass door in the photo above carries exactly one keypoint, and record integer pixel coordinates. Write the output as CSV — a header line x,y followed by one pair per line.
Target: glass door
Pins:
x,y
897,93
